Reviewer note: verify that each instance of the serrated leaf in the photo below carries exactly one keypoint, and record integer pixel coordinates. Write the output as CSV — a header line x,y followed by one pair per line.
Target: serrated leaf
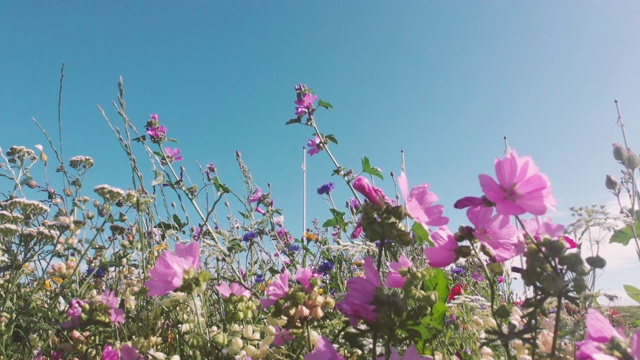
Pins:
x,y
366,168
633,292
294,121
624,235
331,138
421,235
337,220
324,104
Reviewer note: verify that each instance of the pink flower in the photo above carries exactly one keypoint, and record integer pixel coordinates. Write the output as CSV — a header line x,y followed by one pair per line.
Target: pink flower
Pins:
x,y
282,336
154,117
172,154
168,273
520,188
256,196
126,353
394,279
305,103
75,311
419,203
303,275
279,288
444,252
235,289
157,133
539,228
116,315
361,291
373,194
109,353
324,351
599,335
410,354
496,233
315,145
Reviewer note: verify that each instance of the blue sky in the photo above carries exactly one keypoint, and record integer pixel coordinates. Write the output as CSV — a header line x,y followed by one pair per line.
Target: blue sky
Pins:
x,y
445,81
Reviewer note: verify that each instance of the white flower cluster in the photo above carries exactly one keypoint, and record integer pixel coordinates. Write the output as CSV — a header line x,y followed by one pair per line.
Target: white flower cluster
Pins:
x,y
110,194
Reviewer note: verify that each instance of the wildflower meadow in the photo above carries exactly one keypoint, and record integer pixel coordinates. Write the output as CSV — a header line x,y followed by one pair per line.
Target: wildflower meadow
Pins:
x,y
183,264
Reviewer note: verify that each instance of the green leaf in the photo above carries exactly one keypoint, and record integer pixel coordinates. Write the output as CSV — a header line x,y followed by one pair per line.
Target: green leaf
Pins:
x,y
178,222
633,292
294,121
337,220
220,186
331,138
324,104
624,235
140,138
437,282
366,168
159,178
421,235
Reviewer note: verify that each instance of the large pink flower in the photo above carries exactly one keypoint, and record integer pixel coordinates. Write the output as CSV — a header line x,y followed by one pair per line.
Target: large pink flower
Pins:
x,y
539,228
168,273
116,315
496,233
444,252
361,291
373,194
235,289
599,334
520,188
324,351
394,279
279,288
419,202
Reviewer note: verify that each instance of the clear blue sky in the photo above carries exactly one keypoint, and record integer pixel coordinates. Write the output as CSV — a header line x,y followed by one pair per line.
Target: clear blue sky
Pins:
x,y
445,81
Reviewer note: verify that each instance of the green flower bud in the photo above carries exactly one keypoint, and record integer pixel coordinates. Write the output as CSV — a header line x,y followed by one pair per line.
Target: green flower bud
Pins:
x,y
463,251
579,285
556,248
552,283
596,262
632,161
611,183
220,339
619,153
495,269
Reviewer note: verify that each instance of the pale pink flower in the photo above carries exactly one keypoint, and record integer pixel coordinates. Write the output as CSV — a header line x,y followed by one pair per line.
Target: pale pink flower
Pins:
x,y
157,133
520,188
410,354
324,351
315,145
356,304
496,233
279,288
444,252
394,279
599,334
168,273
235,289
305,103
256,196
303,275
75,310
172,154
541,228
282,336
116,315
419,202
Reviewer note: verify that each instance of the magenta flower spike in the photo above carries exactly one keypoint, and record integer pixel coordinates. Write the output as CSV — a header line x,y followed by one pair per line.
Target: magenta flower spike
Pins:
x,y
235,289
168,273
324,351
444,252
394,279
279,288
361,290
419,203
520,188
496,233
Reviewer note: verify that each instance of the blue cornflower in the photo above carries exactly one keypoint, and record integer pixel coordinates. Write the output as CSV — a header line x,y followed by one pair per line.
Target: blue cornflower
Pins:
x,y
251,235
326,188
259,278
326,267
293,247
353,204
457,270
95,272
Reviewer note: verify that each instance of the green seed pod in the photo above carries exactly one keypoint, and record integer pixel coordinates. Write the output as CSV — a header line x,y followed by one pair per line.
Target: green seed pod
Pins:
x,y
579,285
619,153
632,161
611,183
596,262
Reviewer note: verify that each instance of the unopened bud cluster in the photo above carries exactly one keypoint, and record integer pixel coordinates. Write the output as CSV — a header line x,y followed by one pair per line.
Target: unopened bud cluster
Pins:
x,y
385,224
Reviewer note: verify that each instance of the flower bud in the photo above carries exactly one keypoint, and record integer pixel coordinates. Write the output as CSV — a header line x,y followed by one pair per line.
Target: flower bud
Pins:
x,y
31,184
619,153
632,161
611,183
596,262
220,339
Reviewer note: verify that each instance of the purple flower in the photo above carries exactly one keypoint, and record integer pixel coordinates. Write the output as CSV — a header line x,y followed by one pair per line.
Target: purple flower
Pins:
x,y
293,247
75,311
468,201
353,204
116,315
444,252
172,154
357,303
315,145
477,277
154,117
251,235
305,103
259,278
97,273
326,189
599,337
326,267
196,233
457,270
500,279
394,278
256,196
373,194
279,288
157,133
324,351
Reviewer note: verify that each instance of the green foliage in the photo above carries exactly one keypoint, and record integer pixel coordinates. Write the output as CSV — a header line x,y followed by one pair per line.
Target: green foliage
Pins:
x,y
624,235
633,292
368,169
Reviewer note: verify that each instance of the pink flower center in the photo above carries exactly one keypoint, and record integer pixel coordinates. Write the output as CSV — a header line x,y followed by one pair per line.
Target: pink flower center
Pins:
x,y
511,193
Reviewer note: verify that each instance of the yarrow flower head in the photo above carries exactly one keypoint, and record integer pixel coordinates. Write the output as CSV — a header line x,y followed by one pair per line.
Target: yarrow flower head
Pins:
x,y
171,267
172,154
520,188
326,189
